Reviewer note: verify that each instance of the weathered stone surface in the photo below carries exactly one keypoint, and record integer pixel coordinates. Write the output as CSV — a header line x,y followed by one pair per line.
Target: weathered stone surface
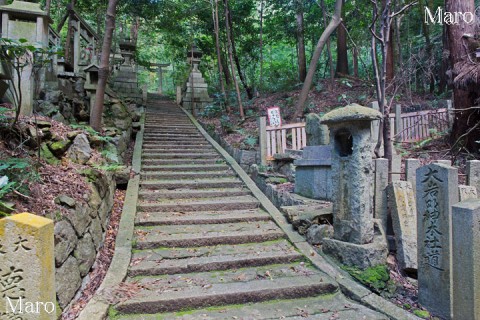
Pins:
x,y
381,183
473,174
59,118
467,192
80,151
437,192
27,264
122,176
359,255
65,200
85,254
351,112
317,232
54,96
466,260
79,218
94,200
404,219
317,133
96,232
46,108
65,241
68,281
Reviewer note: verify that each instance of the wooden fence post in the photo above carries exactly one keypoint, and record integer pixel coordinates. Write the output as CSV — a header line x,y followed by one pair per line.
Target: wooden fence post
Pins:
x,y
262,139
450,113
179,95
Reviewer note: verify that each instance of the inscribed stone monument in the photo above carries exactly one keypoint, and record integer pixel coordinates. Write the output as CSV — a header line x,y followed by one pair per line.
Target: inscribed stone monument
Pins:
x,y
27,270
466,192
437,192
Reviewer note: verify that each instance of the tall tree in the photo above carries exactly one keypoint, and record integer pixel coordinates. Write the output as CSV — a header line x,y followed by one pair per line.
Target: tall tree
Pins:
x,y
334,22
464,70
230,55
233,47
216,30
302,61
342,50
262,8
103,72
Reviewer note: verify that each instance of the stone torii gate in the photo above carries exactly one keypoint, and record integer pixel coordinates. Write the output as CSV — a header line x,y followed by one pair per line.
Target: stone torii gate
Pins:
x,y
159,67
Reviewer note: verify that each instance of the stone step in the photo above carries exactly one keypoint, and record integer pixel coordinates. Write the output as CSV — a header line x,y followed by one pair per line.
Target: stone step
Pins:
x,y
194,184
172,135
175,149
199,235
151,155
185,175
154,162
185,168
200,217
183,205
171,129
222,257
327,307
173,139
162,194
175,292
202,146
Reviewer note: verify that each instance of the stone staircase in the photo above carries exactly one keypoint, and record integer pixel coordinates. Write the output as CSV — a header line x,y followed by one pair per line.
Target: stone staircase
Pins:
x,y
204,248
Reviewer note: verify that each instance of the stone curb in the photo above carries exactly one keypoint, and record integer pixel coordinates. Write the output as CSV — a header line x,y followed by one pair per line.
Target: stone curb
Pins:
x,y
97,307
349,287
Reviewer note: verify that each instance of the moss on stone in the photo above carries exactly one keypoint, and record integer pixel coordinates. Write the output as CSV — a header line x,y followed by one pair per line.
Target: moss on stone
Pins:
x,y
47,155
376,277
351,112
422,314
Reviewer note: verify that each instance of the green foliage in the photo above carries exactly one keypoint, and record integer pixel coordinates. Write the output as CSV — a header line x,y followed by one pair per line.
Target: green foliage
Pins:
x,y
88,129
376,277
211,111
227,125
250,141
19,172
112,167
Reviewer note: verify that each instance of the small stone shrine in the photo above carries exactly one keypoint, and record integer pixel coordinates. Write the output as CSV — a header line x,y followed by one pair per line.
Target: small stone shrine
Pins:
x,y
358,239
195,92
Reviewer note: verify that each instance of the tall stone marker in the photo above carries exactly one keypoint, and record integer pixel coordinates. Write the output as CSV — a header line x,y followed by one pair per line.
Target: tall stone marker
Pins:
x,y
437,192
466,260
27,270
404,220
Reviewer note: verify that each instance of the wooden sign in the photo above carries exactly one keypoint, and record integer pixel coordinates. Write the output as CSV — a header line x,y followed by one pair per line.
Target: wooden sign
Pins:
x,y
274,117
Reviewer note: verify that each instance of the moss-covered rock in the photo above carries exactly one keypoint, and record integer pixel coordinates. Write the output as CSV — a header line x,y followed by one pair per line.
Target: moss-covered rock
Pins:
x,y
58,148
47,155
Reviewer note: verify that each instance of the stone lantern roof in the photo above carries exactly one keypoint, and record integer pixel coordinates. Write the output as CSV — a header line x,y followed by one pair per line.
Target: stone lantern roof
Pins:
x,y
351,112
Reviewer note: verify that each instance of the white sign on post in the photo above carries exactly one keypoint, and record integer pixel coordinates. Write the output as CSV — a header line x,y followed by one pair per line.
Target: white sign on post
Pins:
x,y
274,117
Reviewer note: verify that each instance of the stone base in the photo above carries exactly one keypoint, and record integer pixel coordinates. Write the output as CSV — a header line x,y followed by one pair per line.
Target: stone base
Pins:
x,y
358,255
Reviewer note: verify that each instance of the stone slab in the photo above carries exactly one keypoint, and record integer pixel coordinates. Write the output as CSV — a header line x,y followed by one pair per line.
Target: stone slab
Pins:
x,y
467,192
404,220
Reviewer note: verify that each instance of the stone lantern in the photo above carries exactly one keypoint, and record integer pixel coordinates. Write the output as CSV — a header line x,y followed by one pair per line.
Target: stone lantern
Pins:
x,y
125,80
352,176
25,20
195,94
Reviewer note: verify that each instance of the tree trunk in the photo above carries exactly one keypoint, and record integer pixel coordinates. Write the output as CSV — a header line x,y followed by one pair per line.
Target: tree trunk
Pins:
x,y
465,129
230,54
219,55
302,62
226,72
262,6
329,49
235,56
342,52
97,112
134,30
442,83
390,71
334,22
47,6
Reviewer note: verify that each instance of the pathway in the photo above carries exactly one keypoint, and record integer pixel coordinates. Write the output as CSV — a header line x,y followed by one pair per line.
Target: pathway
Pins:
x,y
204,248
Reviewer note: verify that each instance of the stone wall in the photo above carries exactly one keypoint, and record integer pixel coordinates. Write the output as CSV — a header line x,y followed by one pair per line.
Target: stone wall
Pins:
x,y
80,234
